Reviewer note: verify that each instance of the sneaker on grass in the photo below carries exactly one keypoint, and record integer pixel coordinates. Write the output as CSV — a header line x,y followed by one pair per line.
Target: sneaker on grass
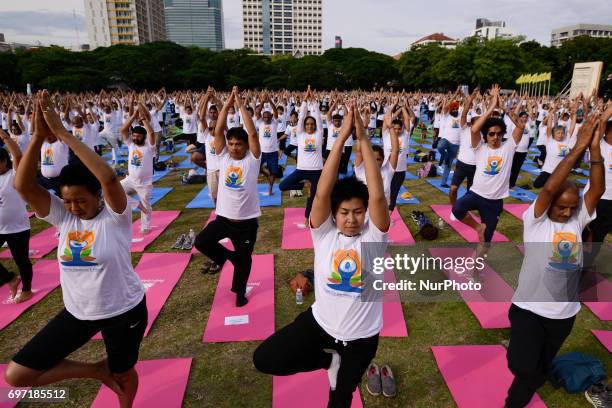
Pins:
x,y
599,396
388,382
374,384
179,241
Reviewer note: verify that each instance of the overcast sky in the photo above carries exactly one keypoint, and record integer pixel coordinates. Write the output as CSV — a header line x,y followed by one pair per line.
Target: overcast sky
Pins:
x,y
387,26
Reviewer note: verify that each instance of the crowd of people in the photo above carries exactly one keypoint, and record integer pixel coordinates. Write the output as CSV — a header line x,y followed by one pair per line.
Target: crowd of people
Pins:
x,y
52,161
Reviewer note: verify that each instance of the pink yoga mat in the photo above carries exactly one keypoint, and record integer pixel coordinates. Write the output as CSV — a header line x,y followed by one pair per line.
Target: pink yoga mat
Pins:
x,y
40,244
46,277
605,336
477,376
517,209
305,390
4,390
226,243
293,236
490,305
394,324
159,222
444,212
399,234
255,321
602,291
162,384
159,273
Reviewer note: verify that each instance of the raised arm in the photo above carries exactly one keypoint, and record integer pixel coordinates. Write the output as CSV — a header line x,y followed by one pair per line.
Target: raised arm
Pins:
x,y
597,183
125,129
114,194
301,117
222,124
146,121
13,148
249,126
477,127
377,203
321,205
563,169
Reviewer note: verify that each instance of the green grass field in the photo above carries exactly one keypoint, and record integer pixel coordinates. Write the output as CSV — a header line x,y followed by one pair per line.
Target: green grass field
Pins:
x,y
222,375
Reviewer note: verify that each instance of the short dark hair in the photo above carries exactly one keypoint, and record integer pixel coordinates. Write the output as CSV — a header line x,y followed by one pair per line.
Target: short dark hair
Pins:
x,y
6,157
378,149
346,189
77,174
608,125
140,130
213,107
397,122
238,133
337,117
489,123
309,117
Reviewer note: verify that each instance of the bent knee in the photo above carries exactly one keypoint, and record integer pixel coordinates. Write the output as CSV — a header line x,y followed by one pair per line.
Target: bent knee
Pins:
x,y
17,375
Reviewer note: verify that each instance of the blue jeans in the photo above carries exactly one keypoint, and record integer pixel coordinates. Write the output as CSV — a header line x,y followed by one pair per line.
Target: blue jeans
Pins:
x,y
448,153
295,181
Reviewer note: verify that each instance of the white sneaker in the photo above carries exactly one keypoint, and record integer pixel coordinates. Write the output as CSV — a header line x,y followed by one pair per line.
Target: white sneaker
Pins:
x,y
145,223
291,193
452,217
332,371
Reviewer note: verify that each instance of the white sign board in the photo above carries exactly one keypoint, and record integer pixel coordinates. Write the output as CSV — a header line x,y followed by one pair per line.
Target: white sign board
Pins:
x,y
586,78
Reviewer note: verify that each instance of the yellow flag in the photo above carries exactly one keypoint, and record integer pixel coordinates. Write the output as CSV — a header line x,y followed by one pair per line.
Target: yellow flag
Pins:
x,y
519,80
549,76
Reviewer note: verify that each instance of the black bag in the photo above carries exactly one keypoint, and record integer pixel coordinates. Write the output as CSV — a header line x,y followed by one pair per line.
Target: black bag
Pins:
x,y
159,166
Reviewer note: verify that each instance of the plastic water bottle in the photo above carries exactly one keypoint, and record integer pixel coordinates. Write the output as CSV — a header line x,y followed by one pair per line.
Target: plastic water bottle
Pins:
x,y
440,223
299,298
191,235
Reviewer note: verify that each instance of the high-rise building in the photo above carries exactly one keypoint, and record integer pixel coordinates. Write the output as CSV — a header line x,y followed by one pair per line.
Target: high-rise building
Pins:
x,y
195,22
489,30
283,26
562,34
132,22
338,43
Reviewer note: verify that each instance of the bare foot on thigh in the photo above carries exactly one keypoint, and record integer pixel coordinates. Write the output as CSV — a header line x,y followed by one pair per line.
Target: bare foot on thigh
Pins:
x,y
105,375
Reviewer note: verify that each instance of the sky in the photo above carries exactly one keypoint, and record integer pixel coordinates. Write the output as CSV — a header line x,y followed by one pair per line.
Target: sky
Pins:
x,y
386,26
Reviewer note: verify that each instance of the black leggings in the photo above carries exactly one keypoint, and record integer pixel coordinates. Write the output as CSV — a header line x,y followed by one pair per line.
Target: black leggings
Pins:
x,y
344,159
298,348
289,149
517,163
534,343
396,184
541,179
295,181
243,236
542,149
19,245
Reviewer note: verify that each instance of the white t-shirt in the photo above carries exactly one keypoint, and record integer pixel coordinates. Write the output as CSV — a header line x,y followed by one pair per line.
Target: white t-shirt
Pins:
x,y
233,120
450,128
387,171
140,163
96,274
212,161
606,154
492,177
22,140
86,134
190,122
237,198
53,158
310,156
332,135
338,271
156,117
201,136
282,122
555,153
291,132
552,263
466,153
13,214
268,139
528,133
542,136
404,141
4,116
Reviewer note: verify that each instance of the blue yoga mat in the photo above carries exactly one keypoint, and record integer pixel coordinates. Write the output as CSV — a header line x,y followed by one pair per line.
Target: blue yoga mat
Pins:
x,y
185,164
288,170
157,194
269,201
164,158
411,200
523,195
283,160
157,175
584,172
531,169
582,181
436,182
427,146
410,176
202,200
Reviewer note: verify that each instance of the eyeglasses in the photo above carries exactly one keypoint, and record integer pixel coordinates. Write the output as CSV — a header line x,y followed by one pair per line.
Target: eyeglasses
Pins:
x,y
493,134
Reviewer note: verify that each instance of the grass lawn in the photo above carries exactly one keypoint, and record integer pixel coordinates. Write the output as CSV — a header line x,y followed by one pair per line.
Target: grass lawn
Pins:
x,y
222,375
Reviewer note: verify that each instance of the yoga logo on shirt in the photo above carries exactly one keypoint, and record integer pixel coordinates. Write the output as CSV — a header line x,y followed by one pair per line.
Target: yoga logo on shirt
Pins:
x,y
78,133
77,251
48,157
136,160
310,145
455,123
346,272
610,162
565,250
212,148
401,145
563,150
267,132
234,177
494,165
335,134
